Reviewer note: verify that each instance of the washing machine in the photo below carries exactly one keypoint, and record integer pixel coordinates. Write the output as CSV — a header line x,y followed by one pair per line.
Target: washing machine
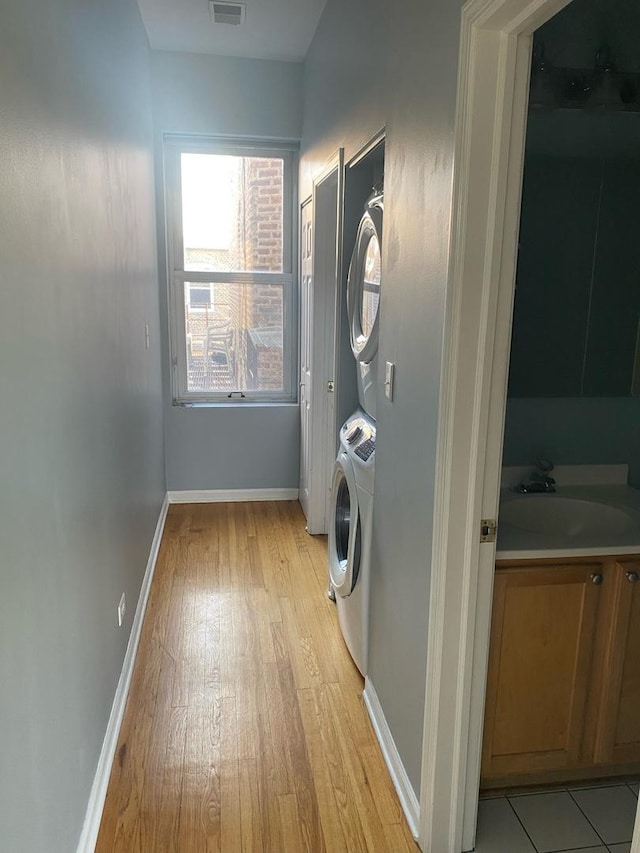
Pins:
x,y
350,531
363,300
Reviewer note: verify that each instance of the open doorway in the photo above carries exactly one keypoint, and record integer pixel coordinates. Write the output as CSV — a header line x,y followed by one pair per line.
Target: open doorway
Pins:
x,y
565,606
493,95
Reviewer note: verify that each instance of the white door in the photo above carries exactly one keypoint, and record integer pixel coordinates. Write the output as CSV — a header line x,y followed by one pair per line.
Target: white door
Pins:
x,y
306,351
320,274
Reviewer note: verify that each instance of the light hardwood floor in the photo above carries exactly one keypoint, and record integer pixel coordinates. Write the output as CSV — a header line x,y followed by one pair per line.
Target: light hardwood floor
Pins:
x,y
245,729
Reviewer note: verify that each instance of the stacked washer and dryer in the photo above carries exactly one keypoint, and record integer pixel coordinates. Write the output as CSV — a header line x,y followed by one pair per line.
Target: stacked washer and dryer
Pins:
x,y
352,490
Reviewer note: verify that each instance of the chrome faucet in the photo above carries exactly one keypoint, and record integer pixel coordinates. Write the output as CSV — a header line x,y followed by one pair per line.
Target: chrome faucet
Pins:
x,y
539,480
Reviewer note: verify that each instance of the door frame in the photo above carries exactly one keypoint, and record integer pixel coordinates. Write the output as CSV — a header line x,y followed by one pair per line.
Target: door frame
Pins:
x,y
326,278
303,327
494,64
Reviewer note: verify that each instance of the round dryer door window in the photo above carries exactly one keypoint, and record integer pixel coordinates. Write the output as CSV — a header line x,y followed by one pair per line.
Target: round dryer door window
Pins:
x,y
363,286
370,296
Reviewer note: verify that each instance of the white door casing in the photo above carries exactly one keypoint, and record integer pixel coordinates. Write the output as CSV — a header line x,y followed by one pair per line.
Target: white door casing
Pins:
x,y
489,153
328,196
306,344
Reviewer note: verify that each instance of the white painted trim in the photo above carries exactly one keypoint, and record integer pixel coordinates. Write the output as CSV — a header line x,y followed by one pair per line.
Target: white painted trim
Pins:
x,y
173,146
305,357
98,793
212,496
486,59
401,782
326,277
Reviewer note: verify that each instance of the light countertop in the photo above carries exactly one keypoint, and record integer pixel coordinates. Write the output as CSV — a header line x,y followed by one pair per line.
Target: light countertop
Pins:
x,y
516,543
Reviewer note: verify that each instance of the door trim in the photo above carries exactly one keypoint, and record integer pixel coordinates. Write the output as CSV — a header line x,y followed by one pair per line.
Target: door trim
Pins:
x,y
367,148
494,63
326,274
305,355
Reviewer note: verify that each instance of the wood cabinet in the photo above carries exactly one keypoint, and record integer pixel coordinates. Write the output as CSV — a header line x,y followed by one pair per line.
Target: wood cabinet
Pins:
x,y
618,735
563,689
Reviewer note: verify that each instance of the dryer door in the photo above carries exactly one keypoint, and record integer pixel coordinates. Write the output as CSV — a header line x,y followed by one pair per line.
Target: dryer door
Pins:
x,y
345,535
363,286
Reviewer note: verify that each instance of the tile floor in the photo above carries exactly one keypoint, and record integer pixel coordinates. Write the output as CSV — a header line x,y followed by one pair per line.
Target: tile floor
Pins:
x,y
580,820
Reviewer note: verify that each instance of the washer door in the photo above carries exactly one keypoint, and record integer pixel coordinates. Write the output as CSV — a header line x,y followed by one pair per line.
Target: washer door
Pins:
x,y
345,536
363,286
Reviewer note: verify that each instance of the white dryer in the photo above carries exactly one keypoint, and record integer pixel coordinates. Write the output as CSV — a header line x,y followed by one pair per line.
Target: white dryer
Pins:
x,y
363,300
350,530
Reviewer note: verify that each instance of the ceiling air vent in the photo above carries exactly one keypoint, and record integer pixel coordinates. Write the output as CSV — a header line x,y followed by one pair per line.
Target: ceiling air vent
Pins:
x,y
227,13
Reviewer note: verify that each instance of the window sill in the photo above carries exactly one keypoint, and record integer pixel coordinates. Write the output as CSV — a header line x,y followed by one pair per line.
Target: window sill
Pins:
x,y
235,404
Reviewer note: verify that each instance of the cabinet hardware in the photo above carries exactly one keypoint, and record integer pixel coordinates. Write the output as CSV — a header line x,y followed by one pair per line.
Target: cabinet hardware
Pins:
x,y
632,577
596,578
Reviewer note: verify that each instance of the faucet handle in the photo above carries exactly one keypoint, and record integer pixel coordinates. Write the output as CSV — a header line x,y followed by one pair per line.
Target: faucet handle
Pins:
x,y
540,476
544,466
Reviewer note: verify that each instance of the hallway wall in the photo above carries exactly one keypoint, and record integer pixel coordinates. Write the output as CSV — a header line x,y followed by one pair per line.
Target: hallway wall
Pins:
x,y
81,461
368,69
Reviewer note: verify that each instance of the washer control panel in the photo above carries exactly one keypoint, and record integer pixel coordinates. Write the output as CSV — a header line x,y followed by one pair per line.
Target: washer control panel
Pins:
x,y
353,434
365,449
358,436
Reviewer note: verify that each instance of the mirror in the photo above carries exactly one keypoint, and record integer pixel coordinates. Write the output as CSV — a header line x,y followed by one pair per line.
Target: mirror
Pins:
x,y
370,287
577,304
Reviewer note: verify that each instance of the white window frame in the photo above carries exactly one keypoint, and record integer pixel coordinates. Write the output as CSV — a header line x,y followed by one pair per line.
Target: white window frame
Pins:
x,y
202,287
177,276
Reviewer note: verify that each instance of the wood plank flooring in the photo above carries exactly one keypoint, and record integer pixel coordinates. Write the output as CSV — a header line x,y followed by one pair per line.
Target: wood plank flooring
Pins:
x,y
245,729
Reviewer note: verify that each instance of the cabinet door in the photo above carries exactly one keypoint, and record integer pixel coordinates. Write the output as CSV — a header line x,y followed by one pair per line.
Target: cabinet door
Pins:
x,y
619,725
542,637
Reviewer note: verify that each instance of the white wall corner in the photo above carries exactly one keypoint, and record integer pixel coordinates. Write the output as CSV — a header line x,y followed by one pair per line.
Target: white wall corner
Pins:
x,y
404,788
231,495
98,793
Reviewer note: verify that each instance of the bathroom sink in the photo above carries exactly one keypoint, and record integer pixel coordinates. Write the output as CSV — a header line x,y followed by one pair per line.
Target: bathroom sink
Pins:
x,y
556,515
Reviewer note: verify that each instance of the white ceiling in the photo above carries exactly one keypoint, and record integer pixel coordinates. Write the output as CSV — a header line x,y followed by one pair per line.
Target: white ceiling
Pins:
x,y
274,29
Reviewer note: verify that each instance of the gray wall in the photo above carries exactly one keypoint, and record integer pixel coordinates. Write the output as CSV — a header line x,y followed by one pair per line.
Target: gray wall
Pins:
x,y
235,446
80,419
574,431
364,71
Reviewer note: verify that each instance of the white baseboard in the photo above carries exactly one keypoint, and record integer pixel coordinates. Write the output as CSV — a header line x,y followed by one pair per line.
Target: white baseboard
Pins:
x,y
98,793
404,788
205,496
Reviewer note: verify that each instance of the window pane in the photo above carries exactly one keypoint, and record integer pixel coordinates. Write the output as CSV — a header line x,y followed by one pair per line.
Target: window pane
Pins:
x,y
234,337
232,213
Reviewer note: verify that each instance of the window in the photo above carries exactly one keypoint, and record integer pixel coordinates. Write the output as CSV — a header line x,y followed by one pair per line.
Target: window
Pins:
x,y
230,253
